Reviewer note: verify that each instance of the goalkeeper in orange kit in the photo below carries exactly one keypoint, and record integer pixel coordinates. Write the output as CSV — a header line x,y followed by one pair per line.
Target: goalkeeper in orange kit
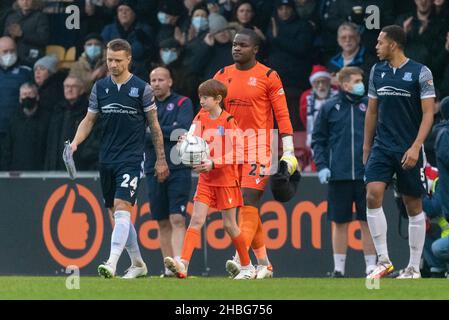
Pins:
x,y
254,93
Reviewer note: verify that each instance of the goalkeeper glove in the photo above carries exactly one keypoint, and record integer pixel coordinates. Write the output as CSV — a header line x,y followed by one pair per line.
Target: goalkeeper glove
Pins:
x,y
288,154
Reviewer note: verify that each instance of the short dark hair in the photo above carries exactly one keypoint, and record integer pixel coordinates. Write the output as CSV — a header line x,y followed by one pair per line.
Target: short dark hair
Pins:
x,y
212,88
396,34
254,37
119,45
344,75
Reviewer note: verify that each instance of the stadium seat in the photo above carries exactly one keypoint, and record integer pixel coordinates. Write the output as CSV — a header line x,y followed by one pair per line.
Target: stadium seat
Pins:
x,y
70,54
59,51
69,59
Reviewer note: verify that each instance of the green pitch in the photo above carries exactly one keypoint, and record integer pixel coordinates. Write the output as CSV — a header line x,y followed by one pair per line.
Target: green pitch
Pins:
x,y
220,288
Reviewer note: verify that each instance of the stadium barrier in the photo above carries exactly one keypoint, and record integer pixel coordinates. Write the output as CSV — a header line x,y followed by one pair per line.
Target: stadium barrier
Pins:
x,y
50,222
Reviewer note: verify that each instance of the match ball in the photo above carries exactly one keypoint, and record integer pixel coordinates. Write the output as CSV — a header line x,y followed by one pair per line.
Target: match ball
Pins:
x,y
193,150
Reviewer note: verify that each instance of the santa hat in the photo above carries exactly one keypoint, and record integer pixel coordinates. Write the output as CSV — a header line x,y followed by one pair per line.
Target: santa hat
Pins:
x,y
319,71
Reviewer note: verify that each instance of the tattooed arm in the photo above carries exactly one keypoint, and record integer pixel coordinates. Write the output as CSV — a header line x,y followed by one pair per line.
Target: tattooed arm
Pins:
x,y
161,167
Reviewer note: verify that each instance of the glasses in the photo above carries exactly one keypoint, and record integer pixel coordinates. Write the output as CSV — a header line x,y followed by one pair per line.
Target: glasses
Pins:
x,y
321,82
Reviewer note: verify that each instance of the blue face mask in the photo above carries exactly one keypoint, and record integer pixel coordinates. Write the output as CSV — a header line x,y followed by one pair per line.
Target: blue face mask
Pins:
x,y
358,89
93,51
168,56
162,17
200,23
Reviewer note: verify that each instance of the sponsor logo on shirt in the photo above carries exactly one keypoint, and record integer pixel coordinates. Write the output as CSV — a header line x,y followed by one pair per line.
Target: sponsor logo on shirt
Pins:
x,y
362,107
392,91
382,75
118,108
107,90
337,106
281,92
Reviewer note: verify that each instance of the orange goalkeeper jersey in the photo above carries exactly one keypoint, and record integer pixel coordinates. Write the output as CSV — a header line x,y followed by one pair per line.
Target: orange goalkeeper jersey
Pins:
x,y
252,97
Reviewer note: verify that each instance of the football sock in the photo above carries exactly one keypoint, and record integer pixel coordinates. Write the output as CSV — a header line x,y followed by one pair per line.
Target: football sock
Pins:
x,y
339,262
258,240
132,246
416,237
119,236
239,244
370,263
261,255
377,224
248,223
191,239
258,246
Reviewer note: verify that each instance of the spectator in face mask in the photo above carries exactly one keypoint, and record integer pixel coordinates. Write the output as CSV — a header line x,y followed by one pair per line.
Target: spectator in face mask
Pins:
x,y
91,65
12,76
172,18
214,52
25,141
199,25
172,57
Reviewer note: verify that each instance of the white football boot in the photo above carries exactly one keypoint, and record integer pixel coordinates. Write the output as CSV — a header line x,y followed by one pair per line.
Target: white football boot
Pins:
x,y
246,273
134,272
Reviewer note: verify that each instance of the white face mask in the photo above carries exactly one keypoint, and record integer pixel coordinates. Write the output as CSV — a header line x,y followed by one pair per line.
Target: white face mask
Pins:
x,y
8,59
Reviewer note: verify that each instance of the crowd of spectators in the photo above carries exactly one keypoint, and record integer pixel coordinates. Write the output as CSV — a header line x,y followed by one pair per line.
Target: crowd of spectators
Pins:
x,y
43,100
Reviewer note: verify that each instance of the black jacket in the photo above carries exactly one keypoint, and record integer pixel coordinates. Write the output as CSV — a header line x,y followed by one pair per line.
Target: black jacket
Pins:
x,y
212,58
51,92
62,126
337,138
36,34
25,142
290,53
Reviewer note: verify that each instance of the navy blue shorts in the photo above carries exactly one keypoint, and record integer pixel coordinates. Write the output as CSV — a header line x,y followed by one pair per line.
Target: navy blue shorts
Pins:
x,y
171,196
341,197
383,164
120,181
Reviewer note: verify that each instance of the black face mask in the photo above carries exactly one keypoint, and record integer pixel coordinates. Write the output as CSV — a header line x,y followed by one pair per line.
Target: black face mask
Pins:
x,y
29,103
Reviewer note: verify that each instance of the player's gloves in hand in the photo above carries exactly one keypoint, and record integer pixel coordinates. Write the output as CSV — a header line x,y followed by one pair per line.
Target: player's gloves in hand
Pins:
x,y
288,154
324,175
291,161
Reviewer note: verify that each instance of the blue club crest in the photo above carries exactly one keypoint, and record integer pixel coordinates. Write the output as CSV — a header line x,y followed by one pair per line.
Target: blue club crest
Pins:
x,y
407,76
134,92
221,130
170,106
